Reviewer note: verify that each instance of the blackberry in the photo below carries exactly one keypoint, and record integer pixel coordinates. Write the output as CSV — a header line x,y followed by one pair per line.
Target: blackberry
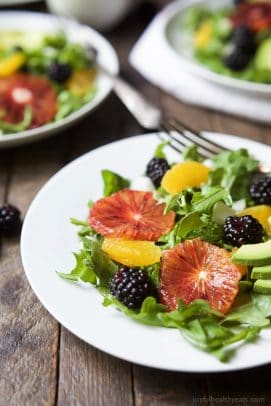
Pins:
x,y
131,286
237,60
242,230
243,39
9,219
156,169
242,49
59,72
260,191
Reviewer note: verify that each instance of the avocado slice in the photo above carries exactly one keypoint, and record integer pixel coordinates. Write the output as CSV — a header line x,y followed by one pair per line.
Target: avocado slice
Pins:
x,y
253,254
261,272
262,286
263,56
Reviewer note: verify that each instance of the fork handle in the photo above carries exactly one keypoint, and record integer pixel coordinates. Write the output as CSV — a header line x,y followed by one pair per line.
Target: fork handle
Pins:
x,y
145,113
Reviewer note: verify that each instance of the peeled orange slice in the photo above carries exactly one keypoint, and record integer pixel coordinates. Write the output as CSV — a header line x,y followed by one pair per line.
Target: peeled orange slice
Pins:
x,y
196,269
132,253
184,175
81,81
131,215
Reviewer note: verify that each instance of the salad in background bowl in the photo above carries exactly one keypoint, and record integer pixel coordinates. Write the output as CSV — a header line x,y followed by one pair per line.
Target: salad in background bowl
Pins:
x,y
43,78
226,42
48,74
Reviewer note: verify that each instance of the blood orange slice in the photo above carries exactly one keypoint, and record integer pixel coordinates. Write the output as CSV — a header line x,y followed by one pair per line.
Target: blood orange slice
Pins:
x,y
21,90
131,215
256,16
198,270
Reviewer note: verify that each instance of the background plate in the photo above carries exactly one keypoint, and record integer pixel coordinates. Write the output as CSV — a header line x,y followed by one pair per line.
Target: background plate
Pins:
x,y
28,21
47,243
178,41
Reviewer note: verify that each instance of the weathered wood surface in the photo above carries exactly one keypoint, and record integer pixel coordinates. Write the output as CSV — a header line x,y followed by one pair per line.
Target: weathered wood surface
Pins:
x,y
41,363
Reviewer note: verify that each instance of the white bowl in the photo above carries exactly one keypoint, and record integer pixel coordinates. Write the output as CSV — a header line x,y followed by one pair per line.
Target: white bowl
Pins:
x,y
176,41
101,14
28,21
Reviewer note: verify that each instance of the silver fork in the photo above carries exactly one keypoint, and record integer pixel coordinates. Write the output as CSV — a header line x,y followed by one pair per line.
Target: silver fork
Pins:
x,y
178,135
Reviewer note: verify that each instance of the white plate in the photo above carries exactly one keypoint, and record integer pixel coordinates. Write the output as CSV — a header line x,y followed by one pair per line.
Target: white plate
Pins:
x,y
28,21
178,41
47,243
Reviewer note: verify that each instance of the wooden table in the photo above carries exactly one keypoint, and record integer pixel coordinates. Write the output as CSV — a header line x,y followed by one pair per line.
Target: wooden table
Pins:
x,y
41,363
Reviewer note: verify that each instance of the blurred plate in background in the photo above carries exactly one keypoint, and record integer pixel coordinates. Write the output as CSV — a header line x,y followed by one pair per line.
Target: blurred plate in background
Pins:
x,y
75,32
177,39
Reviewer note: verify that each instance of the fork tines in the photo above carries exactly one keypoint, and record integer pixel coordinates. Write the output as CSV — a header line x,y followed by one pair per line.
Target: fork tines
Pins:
x,y
180,137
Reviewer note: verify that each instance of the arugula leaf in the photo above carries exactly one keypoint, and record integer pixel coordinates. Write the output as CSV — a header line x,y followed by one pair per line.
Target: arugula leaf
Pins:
x,y
186,225
211,232
148,313
81,271
233,170
191,153
196,309
247,314
204,203
263,303
103,267
195,209
159,152
153,272
92,264
113,182
85,229
77,222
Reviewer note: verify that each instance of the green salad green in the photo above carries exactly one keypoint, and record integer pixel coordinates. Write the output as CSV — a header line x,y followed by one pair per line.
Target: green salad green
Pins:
x,y
200,213
43,78
234,41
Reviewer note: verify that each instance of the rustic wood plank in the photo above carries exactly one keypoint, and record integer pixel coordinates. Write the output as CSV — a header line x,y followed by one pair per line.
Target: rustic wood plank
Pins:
x,y
160,388
249,387
28,334
90,377
240,127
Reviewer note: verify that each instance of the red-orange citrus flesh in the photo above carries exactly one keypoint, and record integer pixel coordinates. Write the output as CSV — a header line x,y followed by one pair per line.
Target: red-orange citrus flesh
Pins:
x,y
196,269
131,215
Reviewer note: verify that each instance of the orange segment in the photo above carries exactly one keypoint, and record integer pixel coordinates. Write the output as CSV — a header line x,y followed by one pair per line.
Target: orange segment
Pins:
x,y
132,253
203,34
184,175
81,81
261,213
11,64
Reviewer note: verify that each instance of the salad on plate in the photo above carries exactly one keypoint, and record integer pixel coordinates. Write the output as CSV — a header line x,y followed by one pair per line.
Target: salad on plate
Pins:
x,y
43,78
187,246
234,41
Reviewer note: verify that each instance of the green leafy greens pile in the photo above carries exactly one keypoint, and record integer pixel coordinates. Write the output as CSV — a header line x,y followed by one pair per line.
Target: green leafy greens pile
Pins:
x,y
49,48
205,328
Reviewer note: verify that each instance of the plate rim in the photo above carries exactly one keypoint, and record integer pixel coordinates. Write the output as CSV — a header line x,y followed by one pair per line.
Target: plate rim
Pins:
x,y
172,11
47,130
74,331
